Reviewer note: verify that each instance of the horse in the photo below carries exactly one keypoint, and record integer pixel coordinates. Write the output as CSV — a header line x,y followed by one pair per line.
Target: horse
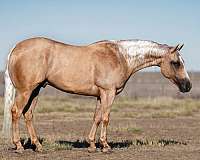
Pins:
x,y
99,69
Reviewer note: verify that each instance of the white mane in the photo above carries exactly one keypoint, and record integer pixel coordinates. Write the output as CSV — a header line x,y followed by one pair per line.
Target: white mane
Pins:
x,y
138,49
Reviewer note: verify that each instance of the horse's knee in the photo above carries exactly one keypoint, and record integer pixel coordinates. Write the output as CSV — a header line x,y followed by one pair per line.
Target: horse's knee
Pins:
x,y
97,119
105,119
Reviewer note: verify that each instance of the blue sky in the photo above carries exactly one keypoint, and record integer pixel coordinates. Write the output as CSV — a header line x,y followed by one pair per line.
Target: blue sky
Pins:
x,y
86,21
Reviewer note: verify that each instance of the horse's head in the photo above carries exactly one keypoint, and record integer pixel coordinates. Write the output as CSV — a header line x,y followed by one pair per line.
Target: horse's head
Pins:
x,y
172,67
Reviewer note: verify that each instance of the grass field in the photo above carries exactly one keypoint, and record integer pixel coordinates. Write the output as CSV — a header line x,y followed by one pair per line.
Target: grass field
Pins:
x,y
155,107
158,128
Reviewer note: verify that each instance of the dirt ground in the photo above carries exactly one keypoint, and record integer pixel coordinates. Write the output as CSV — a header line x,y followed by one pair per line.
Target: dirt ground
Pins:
x,y
141,137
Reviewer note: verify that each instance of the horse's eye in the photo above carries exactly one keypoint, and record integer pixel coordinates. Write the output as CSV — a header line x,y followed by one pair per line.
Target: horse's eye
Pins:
x,y
176,64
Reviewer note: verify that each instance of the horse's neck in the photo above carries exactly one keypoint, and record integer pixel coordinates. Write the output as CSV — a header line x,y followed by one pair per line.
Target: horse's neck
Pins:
x,y
140,54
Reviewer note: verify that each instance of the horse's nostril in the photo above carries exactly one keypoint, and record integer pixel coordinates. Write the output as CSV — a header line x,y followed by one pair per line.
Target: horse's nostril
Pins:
x,y
188,86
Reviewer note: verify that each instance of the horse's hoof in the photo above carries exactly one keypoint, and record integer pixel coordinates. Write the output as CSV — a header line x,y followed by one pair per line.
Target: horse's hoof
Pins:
x,y
92,149
19,150
39,148
107,150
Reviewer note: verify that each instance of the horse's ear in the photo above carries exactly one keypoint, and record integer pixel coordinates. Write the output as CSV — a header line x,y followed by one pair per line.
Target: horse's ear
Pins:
x,y
174,49
180,47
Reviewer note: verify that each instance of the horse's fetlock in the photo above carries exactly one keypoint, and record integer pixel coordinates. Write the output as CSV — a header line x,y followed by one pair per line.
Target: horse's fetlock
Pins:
x,y
16,142
91,139
35,141
102,140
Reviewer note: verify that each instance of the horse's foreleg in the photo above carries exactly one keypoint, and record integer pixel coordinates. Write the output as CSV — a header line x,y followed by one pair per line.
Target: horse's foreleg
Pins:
x,y
107,98
20,102
96,122
28,116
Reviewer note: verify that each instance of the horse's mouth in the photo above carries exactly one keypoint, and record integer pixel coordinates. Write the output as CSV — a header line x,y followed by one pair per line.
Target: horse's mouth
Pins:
x,y
184,85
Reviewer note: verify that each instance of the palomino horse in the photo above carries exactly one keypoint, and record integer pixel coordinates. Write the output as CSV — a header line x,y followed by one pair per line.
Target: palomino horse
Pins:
x,y
100,69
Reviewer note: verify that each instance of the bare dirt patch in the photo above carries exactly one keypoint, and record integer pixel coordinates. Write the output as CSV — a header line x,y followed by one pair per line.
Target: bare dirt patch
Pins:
x,y
139,129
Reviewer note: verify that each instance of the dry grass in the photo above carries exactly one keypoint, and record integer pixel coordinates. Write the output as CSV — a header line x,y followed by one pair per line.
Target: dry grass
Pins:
x,y
126,107
127,128
60,104
161,107
53,146
50,145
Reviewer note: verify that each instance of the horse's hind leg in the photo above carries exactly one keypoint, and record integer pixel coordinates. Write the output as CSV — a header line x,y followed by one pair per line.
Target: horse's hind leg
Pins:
x,y
28,116
19,104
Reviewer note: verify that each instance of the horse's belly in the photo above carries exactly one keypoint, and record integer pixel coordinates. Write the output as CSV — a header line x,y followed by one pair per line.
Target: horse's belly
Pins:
x,y
90,90
77,88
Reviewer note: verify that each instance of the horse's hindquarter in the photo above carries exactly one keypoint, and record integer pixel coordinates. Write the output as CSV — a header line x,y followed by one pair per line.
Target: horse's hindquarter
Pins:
x,y
27,64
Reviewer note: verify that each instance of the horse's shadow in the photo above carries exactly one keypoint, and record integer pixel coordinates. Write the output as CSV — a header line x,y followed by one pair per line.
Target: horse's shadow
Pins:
x,y
62,144
76,144
85,144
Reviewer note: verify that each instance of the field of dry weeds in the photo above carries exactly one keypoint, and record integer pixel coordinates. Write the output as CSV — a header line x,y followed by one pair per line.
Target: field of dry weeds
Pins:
x,y
158,128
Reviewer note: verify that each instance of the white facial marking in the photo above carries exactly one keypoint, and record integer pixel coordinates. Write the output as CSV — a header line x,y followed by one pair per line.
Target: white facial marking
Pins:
x,y
186,74
181,59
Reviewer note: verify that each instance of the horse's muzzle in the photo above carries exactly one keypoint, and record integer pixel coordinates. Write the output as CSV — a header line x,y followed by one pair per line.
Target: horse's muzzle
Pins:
x,y
184,85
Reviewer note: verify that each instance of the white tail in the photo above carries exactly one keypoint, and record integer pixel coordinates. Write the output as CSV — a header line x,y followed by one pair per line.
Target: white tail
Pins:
x,y
9,97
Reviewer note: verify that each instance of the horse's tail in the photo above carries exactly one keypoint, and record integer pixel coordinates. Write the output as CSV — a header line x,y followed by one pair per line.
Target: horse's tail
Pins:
x,y
9,97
